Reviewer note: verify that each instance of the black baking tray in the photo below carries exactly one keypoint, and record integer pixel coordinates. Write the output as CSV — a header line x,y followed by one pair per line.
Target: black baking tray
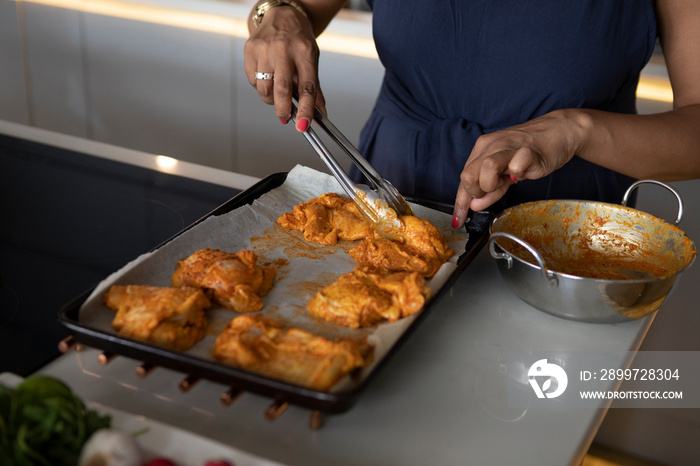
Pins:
x,y
328,402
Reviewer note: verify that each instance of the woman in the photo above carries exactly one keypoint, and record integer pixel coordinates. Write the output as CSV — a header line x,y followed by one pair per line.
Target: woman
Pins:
x,y
505,101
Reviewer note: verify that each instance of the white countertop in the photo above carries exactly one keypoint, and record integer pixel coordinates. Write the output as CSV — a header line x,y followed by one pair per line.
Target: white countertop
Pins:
x,y
441,399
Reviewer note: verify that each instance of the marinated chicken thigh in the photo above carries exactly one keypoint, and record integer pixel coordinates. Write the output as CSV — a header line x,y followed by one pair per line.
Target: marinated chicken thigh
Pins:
x,y
264,346
170,317
424,249
420,246
389,280
363,299
234,280
326,219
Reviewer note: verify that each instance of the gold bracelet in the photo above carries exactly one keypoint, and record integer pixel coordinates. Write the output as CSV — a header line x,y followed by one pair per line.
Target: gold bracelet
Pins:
x,y
264,7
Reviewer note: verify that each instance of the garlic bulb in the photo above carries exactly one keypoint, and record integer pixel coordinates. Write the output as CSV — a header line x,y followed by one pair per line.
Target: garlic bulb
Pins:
x,y
111,447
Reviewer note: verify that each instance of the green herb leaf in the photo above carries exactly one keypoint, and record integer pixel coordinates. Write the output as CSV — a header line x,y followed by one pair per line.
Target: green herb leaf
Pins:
x,y
42,422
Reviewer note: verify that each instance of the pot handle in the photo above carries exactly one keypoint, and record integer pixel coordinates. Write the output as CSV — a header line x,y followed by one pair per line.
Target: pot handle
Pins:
x,y
634,185
549,277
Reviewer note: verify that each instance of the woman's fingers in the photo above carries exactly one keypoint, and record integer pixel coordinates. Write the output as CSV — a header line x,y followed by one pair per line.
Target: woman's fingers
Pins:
x,y
462,205
321,101
531,150
307,88
483,174
490,198
262,78
265,86
284,47
487,176
465,201
281,96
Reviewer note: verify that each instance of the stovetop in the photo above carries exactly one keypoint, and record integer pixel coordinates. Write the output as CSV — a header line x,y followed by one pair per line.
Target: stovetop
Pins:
x,y
68,220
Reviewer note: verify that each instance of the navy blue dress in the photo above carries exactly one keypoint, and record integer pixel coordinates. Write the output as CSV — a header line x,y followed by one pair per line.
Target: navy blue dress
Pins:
x,y
456,69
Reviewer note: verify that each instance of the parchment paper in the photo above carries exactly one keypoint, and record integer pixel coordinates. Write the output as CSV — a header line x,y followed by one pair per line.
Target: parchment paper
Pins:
x,y
303,268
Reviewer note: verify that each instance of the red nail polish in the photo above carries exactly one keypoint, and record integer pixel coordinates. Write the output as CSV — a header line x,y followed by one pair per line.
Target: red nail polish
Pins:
x,y
303,125
455,221
513,179
284,122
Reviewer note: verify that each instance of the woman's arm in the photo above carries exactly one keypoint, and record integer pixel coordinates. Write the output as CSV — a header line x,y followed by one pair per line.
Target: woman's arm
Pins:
x,y
664,146
284,44
319,13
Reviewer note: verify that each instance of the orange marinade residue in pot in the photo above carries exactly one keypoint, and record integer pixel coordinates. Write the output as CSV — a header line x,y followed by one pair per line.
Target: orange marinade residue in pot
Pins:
x,y
591,250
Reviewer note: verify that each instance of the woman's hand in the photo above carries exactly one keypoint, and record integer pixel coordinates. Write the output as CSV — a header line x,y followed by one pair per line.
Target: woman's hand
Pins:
x,y
528,151
285,45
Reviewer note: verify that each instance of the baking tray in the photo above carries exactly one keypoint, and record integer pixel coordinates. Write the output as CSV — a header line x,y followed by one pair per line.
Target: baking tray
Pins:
x,y
327,402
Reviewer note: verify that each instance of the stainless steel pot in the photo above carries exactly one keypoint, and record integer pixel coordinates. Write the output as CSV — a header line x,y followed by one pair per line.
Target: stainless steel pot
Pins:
x,y
590,261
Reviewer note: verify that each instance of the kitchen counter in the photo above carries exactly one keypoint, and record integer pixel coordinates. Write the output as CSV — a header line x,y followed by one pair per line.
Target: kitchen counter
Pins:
x,y
443,398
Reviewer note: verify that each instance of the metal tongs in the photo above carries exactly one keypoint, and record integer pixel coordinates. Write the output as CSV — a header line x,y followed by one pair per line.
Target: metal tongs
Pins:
x,y
380,205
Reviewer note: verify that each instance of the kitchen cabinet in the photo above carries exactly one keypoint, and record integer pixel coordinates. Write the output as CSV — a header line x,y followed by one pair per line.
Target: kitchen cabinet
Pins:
x,y
13,91
166,89
55,64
